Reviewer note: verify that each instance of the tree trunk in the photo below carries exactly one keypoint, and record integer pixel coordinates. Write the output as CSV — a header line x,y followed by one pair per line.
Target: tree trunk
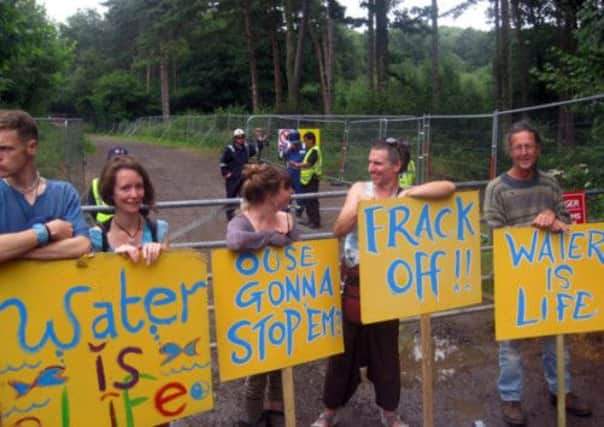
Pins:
x,y
295,53
497,62
521,62
435,59
251,53
278,84
148,78
381,44
165,86
506,66
371,45
330,57
320,58
567,23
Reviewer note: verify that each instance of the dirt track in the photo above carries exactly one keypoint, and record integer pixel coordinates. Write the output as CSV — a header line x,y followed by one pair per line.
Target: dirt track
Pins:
x,y
465,368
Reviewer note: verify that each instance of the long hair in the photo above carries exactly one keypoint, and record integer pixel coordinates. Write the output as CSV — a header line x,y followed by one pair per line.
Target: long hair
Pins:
x,y
108,178
262,180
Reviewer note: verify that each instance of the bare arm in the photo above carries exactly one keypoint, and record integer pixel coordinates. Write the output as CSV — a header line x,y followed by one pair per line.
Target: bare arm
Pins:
x,y
348,215
74,247
14,245
430,190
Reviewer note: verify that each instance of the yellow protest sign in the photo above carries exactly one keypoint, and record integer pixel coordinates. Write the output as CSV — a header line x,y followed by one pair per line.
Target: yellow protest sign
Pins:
x,y
104,342
418,256
548,284
276,307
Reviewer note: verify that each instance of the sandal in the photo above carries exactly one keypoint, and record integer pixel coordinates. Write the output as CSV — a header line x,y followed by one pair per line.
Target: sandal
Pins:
x,y
326,420
391,420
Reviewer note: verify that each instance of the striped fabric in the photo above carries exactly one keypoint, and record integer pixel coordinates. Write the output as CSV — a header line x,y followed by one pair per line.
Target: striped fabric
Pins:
x,y
510,202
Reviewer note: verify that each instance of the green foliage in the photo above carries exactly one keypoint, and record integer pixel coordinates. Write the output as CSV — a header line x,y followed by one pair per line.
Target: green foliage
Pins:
x,y
579,73
32,56
118,96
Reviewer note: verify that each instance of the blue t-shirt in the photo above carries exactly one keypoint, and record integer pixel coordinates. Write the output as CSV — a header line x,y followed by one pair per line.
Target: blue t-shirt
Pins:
x,y
96,235
60,200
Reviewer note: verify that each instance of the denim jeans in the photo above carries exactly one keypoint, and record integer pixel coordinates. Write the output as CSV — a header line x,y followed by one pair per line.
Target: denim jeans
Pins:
x,y
510,368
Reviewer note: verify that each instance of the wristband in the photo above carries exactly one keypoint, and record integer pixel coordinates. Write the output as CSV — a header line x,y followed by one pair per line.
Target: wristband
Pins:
x,y
41,233
48,231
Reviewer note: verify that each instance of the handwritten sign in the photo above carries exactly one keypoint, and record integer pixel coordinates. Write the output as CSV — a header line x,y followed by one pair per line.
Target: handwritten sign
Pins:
x,y
548,284
104,342
276,307
418,257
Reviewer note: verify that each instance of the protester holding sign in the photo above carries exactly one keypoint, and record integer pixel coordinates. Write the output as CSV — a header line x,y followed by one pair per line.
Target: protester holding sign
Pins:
x,y
125,184
526,196
266,191
374,345
39,218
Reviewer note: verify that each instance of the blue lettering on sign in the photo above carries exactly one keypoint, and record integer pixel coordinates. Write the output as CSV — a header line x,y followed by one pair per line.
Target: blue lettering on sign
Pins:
x,y
49,332
595,246
415,276
396,226
372,228
233,337
439,220
463,222
110,330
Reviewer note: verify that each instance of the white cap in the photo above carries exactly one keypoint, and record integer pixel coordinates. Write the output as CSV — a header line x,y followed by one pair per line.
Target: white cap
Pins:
x,y
238,132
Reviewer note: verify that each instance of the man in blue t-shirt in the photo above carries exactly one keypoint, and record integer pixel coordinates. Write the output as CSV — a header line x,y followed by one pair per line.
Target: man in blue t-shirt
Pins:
x,y
39,218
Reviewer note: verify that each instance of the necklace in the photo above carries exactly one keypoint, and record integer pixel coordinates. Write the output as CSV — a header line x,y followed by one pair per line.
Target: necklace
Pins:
x,y
29,189
132,236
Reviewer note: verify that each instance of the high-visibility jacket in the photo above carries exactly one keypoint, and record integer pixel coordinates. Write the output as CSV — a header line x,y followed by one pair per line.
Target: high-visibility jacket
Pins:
x,y
100,217
316,169
407,178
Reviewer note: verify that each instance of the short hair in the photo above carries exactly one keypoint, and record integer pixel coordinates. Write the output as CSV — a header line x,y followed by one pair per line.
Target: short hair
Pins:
x,y
261,180
20,121
522,126
108,178
397,151
311,136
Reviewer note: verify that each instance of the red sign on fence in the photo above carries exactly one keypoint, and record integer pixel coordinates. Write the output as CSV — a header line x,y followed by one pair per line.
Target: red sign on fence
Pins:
x,y
576,206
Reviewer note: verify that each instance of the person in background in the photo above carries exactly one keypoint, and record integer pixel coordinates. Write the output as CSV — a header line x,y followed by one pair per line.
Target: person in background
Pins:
x,y
266,192
234,157
39,218
293,154
261,141
521,197
376,344
94,195
125,185
311,169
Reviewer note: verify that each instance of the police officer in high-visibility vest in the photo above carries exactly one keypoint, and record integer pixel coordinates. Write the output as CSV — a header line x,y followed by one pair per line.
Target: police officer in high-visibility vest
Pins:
x,y
311,169
94,196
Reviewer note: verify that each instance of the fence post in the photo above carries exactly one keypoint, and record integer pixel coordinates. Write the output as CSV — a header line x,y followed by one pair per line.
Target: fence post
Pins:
x,y
427,138
494,134
343,151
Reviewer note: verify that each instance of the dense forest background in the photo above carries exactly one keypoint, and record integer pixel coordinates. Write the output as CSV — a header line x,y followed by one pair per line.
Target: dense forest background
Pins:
x,y
163,57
